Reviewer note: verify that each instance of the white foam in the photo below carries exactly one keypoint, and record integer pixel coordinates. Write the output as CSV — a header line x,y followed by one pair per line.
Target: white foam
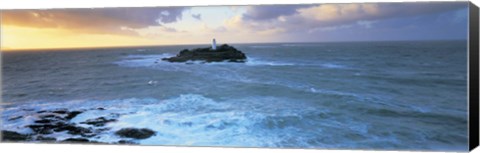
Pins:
x,y
332,92
257,62
152,82
143,60
155,60
333,66
188,119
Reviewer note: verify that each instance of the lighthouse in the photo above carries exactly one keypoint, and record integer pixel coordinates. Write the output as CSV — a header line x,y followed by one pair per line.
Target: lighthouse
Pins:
x,y
214,44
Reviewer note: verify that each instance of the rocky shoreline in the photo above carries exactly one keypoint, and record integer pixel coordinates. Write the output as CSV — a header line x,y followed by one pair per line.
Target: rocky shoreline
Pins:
x,y
59,121
223,53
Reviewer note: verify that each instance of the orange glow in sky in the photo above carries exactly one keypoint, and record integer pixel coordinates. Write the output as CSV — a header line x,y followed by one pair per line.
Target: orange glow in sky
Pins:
x,y
19,38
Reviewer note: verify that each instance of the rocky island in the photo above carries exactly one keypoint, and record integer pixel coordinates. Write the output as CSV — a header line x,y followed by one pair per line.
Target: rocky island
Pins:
x,y
222,53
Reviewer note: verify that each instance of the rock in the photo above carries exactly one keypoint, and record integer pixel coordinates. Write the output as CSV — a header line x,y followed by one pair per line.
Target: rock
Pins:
x,y
47,116
74,130
72,114
59,127
14,118
46,139
59,120
52,121
80,140
14,136
60,112
42,129
76,140
101,121
222,53
43,121
125,142
102,129
135,133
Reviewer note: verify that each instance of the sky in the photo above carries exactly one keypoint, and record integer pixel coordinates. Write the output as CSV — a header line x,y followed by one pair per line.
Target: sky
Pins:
x,y
141,26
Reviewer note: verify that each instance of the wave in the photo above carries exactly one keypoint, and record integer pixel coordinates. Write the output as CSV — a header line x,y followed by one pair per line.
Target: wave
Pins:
x,y
197,120
142,60
333,66
155,60
250,62
189,119
263,46
152,60
257,62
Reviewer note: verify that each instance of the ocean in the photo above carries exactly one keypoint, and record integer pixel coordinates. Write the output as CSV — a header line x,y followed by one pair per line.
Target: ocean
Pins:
x,y
404,95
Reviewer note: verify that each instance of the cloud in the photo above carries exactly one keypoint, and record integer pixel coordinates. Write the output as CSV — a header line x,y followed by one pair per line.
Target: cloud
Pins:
x,y
197,16
168,29
157,31
266,12
332,28
207,29
338,14
366,24
245,23
333,16
240,25
98,20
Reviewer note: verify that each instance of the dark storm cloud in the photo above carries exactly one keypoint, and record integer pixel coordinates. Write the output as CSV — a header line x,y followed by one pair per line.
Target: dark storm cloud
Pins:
x,y
310,17
391,10
98,20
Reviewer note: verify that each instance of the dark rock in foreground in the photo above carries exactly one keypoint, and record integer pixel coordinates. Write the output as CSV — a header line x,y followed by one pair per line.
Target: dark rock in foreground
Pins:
x,y
76,140
101,121
14,118
222,53
52,121
72,114
46,139
80,140
59,121
135,133
125,142
56,121
14,136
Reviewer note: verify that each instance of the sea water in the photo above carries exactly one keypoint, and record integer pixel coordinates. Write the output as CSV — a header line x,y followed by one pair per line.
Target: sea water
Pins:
x,y
407,95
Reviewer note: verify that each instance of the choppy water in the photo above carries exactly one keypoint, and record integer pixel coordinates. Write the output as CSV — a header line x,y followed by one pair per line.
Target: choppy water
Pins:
x,y
365,95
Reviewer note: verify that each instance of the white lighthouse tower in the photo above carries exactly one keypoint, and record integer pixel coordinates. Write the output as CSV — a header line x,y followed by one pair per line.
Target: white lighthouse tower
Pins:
x,y
214,44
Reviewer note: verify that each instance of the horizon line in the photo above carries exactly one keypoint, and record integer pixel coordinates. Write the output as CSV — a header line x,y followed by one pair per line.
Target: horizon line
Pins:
x,y
7,49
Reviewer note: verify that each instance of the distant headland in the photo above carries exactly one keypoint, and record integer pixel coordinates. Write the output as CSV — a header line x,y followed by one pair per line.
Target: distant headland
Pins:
x,y
210,54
